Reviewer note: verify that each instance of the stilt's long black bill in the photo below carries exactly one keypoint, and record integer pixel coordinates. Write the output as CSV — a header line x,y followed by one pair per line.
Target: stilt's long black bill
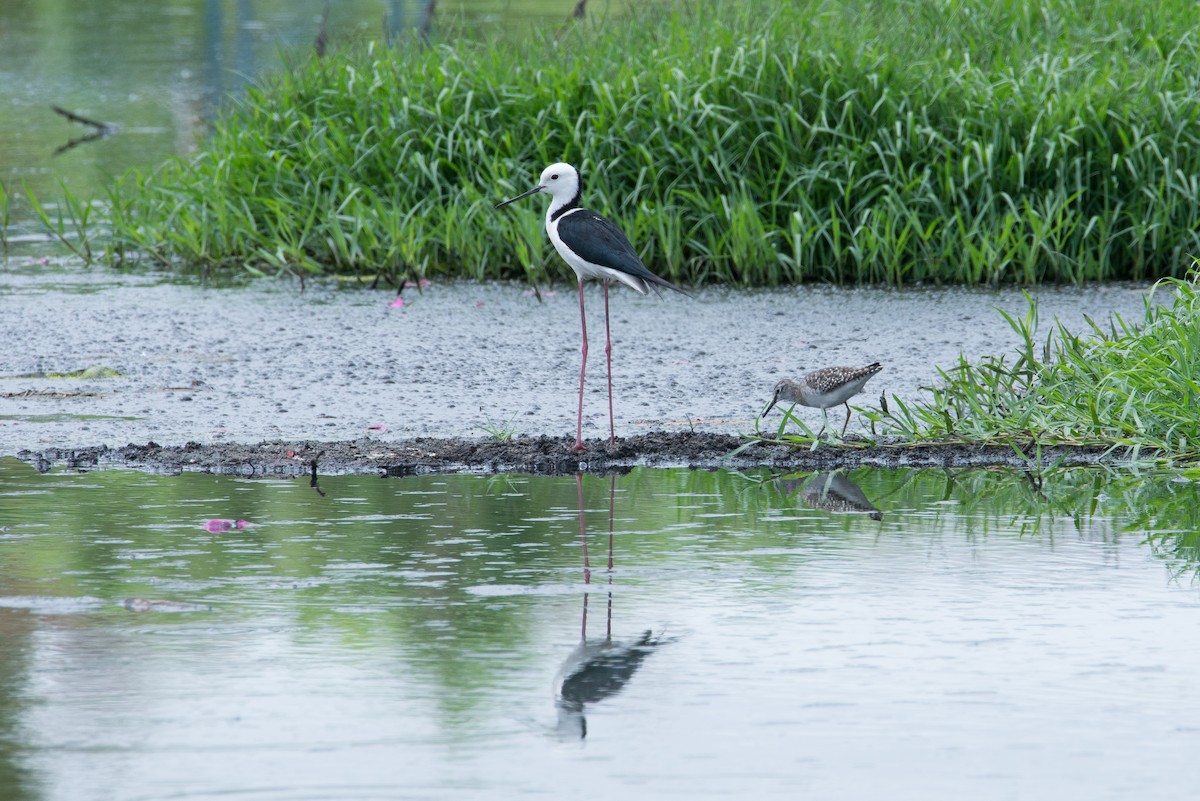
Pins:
x,y
518,197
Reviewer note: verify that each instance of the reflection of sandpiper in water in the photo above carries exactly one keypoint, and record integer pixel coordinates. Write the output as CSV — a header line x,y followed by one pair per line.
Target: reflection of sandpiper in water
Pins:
x,y
596,669
831,492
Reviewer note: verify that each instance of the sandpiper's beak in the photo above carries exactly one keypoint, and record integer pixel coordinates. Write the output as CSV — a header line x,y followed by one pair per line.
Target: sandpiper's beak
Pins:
x,y
537,188
769,407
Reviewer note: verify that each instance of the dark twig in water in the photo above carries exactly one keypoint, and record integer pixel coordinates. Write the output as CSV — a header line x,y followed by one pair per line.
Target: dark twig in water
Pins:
x,y
103,129
322,39
577,14
73,117
79,140
427,21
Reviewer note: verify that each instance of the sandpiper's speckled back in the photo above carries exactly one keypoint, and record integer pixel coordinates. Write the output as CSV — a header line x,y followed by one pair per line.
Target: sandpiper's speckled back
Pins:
x,y
828,379
829,386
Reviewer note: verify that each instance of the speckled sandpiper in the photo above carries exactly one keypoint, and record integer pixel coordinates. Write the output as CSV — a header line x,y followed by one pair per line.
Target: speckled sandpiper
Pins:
x,y
593,247
824,388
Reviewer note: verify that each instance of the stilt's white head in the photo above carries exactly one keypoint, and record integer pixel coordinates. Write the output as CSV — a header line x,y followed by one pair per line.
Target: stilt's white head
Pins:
x,y
560,181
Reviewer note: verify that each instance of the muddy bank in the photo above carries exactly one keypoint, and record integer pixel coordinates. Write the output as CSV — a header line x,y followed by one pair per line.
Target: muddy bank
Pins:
x,y
542,455
99,359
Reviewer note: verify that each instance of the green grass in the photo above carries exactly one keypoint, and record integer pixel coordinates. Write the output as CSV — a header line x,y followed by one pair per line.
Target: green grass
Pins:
x,y
751,143
499,432
1131,388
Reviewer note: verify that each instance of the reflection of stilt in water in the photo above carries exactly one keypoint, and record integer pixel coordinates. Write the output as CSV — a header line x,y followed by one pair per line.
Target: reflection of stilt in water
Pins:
x,y
612,494
831,492
587,566
597,669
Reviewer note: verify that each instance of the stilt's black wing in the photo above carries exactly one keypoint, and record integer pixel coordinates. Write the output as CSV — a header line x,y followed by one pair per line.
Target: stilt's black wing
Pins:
x,y
599,241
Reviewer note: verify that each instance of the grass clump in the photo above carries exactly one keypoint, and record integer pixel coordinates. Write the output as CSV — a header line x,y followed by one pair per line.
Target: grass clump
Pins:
x,y
499,432
1120,386
752,143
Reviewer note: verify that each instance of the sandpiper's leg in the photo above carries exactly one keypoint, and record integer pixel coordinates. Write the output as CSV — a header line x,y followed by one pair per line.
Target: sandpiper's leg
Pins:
x,y
612,431
847,419
824,423
582,369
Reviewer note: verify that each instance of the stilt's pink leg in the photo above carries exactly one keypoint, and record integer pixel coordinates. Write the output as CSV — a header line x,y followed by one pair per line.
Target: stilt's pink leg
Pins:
x,y
612,494
587,567
612,506
582,369
612,431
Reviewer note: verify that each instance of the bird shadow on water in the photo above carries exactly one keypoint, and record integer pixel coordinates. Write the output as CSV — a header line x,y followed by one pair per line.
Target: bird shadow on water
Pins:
x,y
597,668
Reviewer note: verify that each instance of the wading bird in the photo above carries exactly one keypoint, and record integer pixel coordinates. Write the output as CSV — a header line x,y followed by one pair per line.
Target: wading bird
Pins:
x,y
593,247
824,388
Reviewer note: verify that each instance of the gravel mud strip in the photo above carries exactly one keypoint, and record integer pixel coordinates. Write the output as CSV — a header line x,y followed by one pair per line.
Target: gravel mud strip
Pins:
x,y
541,455
341,375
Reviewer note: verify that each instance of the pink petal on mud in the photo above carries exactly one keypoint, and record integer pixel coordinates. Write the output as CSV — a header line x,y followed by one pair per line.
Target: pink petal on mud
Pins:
x,y
479,304
242,523
398,303
377,427
424,282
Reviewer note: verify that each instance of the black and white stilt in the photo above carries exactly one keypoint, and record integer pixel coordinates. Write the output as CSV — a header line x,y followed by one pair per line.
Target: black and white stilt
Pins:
x,y
593,247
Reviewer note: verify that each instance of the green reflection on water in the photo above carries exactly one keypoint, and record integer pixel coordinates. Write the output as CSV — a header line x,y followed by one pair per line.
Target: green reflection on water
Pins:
x,y
16,780
429,539
449,580
450,566
87,521
161,71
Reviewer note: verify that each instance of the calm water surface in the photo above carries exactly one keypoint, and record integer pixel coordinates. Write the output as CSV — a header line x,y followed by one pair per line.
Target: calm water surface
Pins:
x,y
921,634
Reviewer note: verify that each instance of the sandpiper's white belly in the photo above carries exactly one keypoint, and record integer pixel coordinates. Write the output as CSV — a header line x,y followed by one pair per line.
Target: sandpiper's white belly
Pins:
x,y
833,397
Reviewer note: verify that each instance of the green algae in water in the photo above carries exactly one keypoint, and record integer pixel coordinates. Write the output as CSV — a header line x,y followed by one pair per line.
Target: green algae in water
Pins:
x,y
438,632
84,373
